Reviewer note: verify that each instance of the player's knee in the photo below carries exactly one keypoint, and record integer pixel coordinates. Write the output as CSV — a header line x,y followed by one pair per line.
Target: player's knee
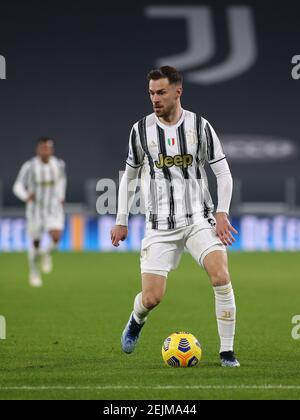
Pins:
x,y
150,300
56,237
36,244
220,277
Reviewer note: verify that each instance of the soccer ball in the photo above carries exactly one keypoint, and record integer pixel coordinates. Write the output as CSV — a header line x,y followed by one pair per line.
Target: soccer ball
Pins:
x,y
181,349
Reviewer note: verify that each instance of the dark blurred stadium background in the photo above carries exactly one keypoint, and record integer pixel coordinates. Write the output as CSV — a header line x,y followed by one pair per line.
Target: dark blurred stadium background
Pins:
x,y
78,74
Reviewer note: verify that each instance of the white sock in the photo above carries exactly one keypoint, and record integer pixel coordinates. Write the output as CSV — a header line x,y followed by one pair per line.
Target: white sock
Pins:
x,y
33,259
226,316
139,311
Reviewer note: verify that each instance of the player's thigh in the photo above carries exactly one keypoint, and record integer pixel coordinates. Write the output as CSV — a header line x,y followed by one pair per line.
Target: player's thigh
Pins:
x,y
54,225
160,257
216,266
34,229
202,242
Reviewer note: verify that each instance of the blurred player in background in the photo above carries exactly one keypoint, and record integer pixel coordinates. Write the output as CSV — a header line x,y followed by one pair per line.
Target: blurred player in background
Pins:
x,y
41,184
171,147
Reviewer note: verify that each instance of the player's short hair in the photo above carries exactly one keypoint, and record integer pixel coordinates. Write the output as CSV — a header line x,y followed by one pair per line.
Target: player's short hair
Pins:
x,y
166,72
44,139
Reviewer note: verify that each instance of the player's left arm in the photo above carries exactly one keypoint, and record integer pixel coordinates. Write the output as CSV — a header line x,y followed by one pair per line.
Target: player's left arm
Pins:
x,y
219,165
62,185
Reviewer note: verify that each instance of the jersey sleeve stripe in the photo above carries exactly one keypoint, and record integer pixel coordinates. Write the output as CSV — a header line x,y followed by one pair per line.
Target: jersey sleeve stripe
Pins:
x,y
210,143
211,163
198,122
133,166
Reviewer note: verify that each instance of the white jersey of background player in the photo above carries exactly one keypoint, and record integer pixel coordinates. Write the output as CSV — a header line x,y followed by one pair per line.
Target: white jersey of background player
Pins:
x,y
41,184
171,146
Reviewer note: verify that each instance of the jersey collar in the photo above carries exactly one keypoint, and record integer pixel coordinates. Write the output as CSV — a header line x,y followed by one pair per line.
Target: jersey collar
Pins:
x,y
165,127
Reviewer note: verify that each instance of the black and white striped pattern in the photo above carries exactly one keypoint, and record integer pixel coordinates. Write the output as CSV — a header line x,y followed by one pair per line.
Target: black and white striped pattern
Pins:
x,y
144,145
168,178
183,150
48,184
176,195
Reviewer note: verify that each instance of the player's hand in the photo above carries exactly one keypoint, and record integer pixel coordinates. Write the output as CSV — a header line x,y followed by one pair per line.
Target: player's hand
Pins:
x,y
225,229
30,198
118,233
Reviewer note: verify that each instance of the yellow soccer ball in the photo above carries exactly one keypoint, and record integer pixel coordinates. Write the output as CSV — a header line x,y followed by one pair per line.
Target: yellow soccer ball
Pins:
x,y
181,349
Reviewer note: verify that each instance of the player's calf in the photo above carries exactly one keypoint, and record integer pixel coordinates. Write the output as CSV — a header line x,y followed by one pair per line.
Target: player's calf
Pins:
x,y
135,324
226,316
47,262
217,269
33,260
154,288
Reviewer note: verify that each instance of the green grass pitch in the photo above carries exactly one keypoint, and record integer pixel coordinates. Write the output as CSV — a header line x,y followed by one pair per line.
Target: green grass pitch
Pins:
x,y
63,340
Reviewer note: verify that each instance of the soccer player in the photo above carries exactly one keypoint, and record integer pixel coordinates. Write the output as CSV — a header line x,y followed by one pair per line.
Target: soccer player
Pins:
x,y
41,184
170,147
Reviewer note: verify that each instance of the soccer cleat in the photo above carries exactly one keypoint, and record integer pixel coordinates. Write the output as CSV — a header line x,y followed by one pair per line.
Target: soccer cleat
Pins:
x,y
228,359
35,280
131,335
46,264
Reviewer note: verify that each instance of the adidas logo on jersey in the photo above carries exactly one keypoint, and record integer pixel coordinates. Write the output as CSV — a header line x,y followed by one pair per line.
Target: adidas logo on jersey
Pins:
x,y
152,144
178,160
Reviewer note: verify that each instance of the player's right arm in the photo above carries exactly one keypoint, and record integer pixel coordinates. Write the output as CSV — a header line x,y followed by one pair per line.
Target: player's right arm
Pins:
x,y
20,187
127,188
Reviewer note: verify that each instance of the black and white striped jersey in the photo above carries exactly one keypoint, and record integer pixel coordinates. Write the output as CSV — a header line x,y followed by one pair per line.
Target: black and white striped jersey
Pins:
x,y
47,181
172,158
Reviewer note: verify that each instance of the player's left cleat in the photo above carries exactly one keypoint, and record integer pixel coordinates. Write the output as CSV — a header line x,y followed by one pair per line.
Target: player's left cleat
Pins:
x,y
131,335
46,263
228,359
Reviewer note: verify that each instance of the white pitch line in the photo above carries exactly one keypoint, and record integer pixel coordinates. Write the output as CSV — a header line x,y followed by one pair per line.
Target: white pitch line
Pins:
x,y
157,388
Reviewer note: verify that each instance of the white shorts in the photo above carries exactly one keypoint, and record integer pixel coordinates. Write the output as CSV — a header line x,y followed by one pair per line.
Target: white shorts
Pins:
x,y
36,227
161,250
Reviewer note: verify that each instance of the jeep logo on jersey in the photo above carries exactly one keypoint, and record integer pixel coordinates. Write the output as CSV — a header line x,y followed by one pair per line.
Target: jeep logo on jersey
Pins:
x,y
202,46
178,160
47,183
